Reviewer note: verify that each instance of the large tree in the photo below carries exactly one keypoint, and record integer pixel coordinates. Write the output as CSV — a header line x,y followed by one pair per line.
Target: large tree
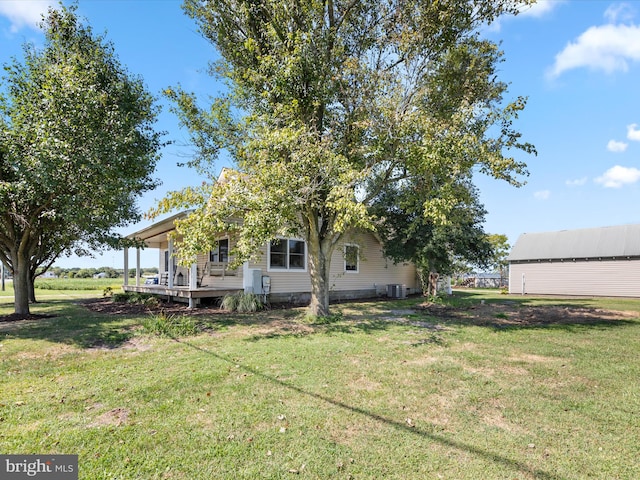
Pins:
x,y
434,247
77,148
329,102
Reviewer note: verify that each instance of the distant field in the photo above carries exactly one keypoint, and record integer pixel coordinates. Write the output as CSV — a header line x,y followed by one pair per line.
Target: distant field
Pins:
x,y
75,287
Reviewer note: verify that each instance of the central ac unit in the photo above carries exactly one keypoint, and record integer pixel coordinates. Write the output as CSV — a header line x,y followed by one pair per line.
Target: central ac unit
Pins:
x,y
396,291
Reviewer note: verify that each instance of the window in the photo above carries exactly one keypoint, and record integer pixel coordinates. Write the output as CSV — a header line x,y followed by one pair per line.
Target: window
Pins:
x,y
278,254
221,253
288,254
296,254
351,256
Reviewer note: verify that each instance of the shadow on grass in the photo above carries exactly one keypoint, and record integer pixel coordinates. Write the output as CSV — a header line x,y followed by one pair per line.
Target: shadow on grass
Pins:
x,y
470,297
69,323
461,311
295,330
515,313
495,457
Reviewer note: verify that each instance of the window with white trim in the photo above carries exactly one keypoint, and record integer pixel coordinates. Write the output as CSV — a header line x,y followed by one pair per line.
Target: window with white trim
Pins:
x,y
220,254
287,254
351,258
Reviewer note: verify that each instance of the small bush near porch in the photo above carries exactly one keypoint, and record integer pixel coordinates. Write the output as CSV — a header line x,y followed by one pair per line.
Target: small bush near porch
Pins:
x,y
510,388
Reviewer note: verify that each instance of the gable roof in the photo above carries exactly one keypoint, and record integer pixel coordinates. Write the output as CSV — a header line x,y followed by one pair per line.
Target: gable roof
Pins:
x,y
619,241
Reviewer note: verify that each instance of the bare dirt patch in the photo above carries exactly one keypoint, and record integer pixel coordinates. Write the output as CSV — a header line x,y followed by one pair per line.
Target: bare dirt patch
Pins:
x,y
510,314
107,306
114,417
266,323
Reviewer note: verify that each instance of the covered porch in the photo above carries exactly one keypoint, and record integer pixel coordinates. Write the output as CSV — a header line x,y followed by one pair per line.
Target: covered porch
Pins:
x,y
174,282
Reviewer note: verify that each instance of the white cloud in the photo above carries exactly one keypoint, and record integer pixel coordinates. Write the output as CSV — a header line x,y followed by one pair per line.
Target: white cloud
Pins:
x,y
577,182
542,195
536,10
540,8
616,147
24,13
618,176
633,133
619,12
609,48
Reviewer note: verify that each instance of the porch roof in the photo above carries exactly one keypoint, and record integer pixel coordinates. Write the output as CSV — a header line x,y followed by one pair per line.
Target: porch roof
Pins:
x,y
156,234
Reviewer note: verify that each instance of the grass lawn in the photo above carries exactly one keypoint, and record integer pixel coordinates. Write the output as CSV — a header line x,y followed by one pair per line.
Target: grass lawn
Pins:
x,y
484,386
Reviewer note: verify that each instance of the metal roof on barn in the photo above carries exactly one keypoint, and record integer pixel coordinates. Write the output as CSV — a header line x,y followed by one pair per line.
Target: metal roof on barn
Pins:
x,y
605,242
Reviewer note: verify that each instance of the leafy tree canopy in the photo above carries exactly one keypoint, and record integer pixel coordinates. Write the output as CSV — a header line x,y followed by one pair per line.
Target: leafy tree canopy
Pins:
x,y
500,249
76,149
330,103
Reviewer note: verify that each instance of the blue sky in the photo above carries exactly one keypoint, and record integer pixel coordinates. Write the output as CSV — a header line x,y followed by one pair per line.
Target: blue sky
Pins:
x,y
577,61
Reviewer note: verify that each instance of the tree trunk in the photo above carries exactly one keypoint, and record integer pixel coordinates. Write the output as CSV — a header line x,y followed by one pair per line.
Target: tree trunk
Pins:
x,y
32,289
433,284
21,282
319,265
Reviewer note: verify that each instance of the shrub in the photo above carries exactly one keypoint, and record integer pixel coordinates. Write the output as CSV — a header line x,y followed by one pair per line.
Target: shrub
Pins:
x,y
326,320
230,302
241,302
249,302
171,326
120,297
151,301
436,299
136,298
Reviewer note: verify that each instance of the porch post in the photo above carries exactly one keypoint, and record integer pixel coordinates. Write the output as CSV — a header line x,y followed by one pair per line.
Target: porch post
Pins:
x,y
138,267
126,267
171,264
193,276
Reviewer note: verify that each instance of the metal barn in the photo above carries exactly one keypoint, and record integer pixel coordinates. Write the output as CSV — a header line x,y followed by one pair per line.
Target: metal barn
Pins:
x,y
591,261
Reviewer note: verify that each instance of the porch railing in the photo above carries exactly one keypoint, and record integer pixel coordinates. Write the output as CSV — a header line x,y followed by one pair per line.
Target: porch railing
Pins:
x,y
220,269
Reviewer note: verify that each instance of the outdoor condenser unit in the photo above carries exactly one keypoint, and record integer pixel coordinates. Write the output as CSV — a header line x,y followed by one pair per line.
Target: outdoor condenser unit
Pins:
x,y
396,291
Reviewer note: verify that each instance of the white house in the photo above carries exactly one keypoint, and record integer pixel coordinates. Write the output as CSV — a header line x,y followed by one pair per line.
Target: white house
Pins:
x,y
358,269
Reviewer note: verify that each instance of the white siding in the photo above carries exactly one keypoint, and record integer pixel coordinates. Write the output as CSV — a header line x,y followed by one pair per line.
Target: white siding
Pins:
x,y
616,278
285,281
374,271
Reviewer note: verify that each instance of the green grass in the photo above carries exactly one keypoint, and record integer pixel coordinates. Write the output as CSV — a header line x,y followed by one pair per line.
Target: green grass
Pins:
x,y
377,391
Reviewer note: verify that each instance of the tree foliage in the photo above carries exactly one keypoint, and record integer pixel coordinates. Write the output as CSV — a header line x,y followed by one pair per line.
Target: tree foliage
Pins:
x,y
435,247
76,149
500,249
330,103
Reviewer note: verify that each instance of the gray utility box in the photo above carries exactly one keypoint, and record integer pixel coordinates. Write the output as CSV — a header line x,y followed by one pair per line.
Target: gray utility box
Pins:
x,y
253,281
396,291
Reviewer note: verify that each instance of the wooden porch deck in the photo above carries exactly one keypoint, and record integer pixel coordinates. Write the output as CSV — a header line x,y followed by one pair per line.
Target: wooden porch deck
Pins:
x,y
182,293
